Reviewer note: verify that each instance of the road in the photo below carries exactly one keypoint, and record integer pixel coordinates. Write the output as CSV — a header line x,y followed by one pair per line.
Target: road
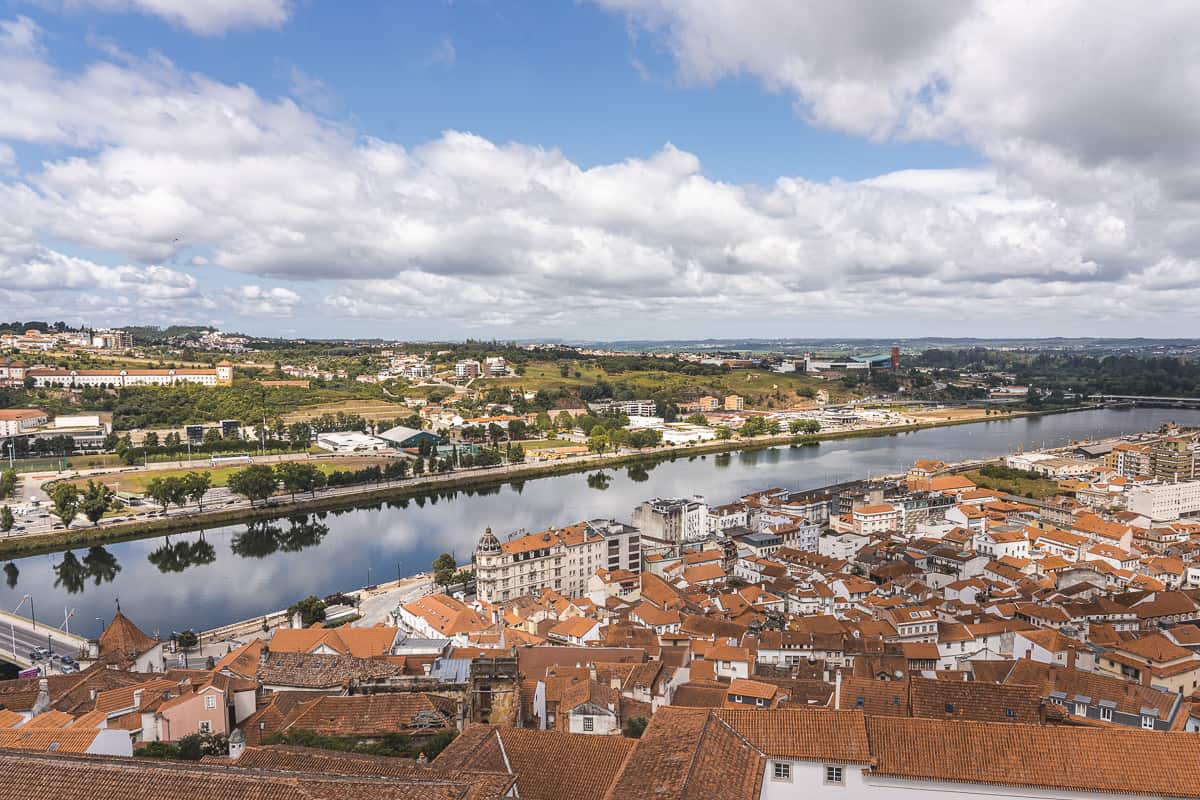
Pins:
x,y
27,639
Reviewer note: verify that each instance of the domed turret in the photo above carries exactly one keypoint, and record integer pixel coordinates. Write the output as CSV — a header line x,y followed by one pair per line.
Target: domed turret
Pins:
x,y
488,544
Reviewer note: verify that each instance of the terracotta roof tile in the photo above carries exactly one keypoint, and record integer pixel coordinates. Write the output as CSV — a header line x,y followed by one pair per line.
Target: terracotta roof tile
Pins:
x,y
1051,757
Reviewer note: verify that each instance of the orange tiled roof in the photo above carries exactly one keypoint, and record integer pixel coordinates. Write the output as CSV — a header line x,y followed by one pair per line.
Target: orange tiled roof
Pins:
x,y
1048,757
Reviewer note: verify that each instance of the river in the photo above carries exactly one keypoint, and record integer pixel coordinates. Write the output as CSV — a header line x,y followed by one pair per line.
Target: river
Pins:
x,y
200,581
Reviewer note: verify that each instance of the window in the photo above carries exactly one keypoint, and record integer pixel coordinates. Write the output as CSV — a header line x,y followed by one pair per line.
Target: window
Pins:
x,y
1080,710
783,771
1105,714
1148,722
588,725
833,775
205,726
210,701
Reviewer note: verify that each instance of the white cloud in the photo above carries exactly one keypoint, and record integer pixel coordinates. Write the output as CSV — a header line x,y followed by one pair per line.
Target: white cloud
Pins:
x,y
1050,90
251,300
204,17
168,167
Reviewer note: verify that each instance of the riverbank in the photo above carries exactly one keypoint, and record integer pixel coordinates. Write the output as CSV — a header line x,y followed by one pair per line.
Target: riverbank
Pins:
x,y
369,494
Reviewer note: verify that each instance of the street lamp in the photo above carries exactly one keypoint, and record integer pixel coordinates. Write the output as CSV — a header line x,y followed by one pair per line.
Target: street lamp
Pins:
x,y
13,627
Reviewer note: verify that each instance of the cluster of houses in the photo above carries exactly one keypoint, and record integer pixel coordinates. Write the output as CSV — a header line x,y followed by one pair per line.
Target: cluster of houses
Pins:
x,y
884,639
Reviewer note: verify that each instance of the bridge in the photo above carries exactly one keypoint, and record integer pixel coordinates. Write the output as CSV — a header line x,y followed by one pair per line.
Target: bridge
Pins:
x,y
1148,400
20,635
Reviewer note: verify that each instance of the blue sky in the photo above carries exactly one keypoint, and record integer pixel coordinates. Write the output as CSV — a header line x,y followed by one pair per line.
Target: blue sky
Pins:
x,y
608,169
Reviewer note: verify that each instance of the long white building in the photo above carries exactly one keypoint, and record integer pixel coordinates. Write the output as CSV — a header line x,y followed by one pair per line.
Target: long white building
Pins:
x,y
221,375
1164,502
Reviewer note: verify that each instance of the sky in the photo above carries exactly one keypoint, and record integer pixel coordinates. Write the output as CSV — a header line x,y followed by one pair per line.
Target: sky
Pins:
x,y
602,169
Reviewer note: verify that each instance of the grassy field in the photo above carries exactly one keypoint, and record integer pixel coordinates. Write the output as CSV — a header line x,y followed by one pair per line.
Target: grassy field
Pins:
x,y
760,388
547,444
1039,489
137,481
367,409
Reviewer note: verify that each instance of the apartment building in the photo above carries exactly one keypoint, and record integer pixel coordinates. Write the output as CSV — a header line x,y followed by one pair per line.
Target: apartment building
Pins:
x,y
877,518
630,408
673,521
221,375
1173,458
467,369
1129,459
735,402
562,559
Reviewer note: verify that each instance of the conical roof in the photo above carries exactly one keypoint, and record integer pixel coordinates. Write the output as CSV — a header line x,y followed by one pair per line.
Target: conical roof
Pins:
x,y
123,640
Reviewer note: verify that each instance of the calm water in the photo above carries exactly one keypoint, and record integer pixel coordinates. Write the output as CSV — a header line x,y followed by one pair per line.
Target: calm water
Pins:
x,y
232,573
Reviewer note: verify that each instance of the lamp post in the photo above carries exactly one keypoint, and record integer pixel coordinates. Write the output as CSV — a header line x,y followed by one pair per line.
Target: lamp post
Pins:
x,y
12,625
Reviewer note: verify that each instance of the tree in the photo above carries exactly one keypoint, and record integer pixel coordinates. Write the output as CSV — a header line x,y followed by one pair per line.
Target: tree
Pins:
x,y
298,477
724,432
634,727
311,608
597,444
165,491
8,483
774,427
6,519
443,569
195,485
96,499
696,419
256,482
754,426
212,436
65,499
151,440
186,640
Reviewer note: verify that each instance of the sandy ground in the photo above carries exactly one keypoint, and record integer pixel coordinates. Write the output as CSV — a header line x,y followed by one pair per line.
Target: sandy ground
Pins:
x,y
948,414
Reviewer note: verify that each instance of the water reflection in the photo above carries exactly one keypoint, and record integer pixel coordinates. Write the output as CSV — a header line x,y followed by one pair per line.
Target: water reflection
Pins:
x,y
11,573
266,537
599,481
180,555
71,573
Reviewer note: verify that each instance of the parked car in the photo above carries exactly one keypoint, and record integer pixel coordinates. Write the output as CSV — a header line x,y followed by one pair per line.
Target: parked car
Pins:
x,y
69,662
68,669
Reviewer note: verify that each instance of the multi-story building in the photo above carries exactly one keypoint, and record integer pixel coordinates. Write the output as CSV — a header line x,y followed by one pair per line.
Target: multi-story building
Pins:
x,y
671,522
877,518
1165,502
221,375
630,408
467,369
418,372
1173,458
106,339
496,366
562,559
12,373
18,421
735,402
1129,459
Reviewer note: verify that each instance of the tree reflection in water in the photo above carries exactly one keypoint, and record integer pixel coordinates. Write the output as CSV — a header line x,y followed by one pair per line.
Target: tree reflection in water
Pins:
x,y
11,573
261,539
599,480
